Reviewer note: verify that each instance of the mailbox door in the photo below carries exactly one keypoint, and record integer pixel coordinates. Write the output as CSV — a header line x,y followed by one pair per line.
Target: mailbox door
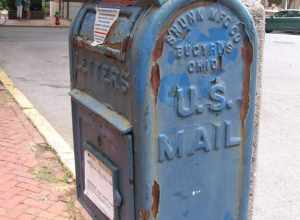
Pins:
x,y
103,150
102,111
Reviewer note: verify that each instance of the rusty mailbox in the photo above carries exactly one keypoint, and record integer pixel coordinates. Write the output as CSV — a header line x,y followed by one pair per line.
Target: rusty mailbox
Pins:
x,y
163,101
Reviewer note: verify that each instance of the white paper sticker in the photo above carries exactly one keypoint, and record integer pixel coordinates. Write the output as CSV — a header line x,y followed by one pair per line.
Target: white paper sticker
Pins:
x,y
105,18
99,184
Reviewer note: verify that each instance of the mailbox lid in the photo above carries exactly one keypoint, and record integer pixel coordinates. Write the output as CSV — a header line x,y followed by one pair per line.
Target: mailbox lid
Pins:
x,y
118,38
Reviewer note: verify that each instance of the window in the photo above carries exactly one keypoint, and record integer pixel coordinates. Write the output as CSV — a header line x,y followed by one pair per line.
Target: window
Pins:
x,y
281,14
296,14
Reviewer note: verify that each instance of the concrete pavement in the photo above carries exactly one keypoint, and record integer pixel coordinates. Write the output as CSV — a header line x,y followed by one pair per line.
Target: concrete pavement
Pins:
x,y
277,187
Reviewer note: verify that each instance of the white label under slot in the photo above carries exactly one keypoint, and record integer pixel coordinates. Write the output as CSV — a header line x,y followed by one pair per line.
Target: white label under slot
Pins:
x,y
99,184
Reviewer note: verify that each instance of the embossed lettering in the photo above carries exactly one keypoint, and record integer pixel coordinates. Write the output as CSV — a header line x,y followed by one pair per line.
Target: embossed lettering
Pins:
x,y
203,66
220,17
220,48
167,151
199,15
179,52
170,39
183,110
217,95
187,102
235,33
175,31
231,141
217,128
229,47
183,25
213,49
187,50
204,139
213,15
196,50
112,76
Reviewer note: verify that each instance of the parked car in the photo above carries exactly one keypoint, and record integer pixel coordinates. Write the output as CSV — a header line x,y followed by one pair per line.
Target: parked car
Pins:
x,y
286,20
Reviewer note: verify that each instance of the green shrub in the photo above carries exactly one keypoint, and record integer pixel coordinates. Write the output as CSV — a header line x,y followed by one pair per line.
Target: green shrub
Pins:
x,y
277,2
3,4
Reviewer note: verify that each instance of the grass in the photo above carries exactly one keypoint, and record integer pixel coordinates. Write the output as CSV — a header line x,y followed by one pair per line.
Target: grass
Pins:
x,y
44,173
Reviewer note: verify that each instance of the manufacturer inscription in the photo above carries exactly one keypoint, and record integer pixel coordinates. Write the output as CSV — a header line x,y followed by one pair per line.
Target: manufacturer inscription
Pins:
x,y
202,58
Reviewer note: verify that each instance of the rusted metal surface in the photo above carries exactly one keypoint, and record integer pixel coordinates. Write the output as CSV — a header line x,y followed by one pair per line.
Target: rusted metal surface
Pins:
x,y
155,199
155,72
158,51
144,214
155,80
247,54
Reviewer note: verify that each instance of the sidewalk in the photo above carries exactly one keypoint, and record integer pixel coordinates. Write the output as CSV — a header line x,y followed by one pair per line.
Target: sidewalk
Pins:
x,y
47,22
33,184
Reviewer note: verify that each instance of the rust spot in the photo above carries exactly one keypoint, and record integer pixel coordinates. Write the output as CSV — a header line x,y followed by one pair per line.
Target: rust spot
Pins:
x,y
155,73
143,214
158,49
155,199
155,80
81,44
117,45
247,54
129,43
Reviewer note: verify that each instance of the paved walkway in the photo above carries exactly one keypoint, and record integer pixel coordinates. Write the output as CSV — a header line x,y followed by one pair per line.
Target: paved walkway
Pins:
x,y
47,22
33,184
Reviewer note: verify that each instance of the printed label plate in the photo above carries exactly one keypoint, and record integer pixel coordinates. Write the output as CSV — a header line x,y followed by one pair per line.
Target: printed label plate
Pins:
x,y
99,184
105,18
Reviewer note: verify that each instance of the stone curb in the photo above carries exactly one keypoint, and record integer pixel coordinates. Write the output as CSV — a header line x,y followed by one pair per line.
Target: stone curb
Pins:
x,y
52,137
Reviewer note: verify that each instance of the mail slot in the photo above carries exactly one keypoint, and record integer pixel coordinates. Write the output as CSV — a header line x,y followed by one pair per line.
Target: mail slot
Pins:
x,y
163,101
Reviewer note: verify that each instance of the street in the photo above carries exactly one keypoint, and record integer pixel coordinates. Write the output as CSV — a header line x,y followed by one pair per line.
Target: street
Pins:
x,y
36,59
277,193
37,62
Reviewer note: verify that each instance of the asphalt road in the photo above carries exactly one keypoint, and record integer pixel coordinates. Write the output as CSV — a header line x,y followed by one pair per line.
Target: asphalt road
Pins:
x,y
37,61
277,195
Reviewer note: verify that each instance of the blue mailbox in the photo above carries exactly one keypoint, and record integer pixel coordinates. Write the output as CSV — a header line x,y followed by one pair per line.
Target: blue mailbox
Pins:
x,y
163,101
